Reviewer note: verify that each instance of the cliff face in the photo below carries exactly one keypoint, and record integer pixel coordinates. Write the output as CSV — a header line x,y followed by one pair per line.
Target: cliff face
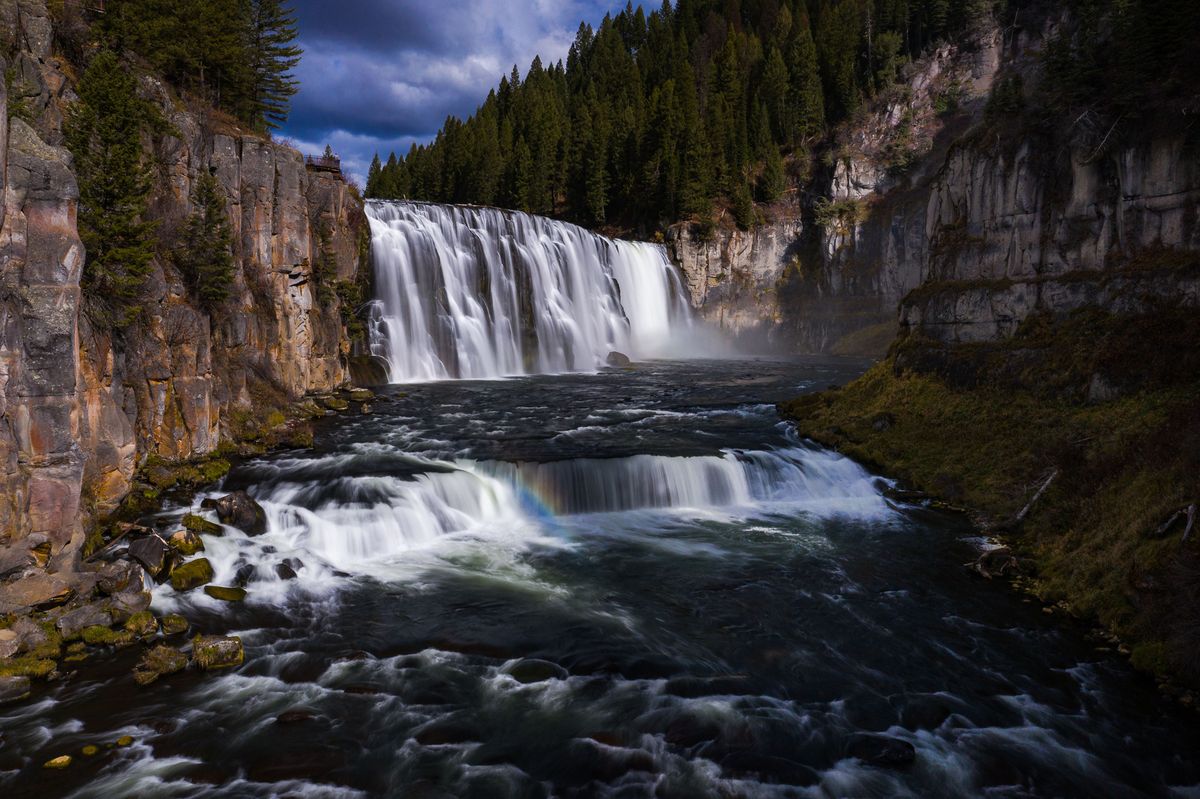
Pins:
x,y
82,408
991,225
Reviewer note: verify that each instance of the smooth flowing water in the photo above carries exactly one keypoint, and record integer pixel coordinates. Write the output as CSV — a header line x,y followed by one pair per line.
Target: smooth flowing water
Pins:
x,y
625,584
468,292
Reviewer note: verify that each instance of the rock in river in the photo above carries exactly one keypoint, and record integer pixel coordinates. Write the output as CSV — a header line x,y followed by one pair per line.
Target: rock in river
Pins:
x,y
192,574
159,662
152,552
240,511
216,652
225,594
881,750
13,689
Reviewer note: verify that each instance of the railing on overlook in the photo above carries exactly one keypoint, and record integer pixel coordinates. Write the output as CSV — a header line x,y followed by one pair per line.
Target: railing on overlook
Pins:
x,y
324,163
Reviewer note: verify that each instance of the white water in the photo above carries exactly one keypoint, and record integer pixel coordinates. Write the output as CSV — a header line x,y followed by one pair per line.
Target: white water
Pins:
x,y
370,524
479,292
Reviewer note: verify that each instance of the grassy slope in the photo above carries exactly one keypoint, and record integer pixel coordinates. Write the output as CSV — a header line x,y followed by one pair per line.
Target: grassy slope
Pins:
x,y
983,426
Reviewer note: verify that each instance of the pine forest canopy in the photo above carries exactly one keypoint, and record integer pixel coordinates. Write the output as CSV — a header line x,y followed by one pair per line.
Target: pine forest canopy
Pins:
x,y
662,117
239,54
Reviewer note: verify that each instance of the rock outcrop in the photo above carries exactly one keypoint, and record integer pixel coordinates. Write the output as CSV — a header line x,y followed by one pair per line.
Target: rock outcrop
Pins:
x,y
967,224
82,408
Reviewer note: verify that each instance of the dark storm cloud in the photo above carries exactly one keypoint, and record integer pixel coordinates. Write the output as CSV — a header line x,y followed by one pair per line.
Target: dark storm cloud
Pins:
x,y
378,75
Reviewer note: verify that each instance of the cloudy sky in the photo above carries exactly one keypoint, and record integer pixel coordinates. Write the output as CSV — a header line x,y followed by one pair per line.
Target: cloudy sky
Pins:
x,y
378,75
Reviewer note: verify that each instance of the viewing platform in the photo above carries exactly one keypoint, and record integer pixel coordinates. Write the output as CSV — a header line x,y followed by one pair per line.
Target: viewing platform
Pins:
x,y
324,163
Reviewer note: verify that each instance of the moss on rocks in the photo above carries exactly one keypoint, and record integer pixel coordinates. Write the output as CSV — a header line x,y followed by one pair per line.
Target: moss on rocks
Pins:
x,y
142,624
27,666
192,574
225,594
200,525
186,543
174,624
104,636
159,662
216,652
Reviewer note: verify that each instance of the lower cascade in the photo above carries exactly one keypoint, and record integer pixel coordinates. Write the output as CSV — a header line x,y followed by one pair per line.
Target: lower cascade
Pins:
x,y
479,293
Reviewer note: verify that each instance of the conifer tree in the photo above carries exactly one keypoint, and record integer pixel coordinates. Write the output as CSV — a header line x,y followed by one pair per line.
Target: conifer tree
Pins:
x,y
204,253
103,132
373,174
273,56
806,109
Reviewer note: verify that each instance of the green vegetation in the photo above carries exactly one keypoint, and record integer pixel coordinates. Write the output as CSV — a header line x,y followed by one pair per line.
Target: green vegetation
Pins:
x,y
1109,403
103,132
204,253
236,54
666,116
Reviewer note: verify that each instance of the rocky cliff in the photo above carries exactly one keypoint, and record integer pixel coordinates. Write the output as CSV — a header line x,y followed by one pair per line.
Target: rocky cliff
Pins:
x,y
994,219
82,408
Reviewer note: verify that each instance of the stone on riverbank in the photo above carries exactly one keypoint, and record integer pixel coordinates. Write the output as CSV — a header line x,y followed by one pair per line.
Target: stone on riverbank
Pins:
x,y
174,624
160,661
153,553
13,689
143,624
211,652
192,574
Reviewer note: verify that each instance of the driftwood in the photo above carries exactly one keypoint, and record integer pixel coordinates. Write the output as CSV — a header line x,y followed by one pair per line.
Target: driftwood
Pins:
x,y
1029,507
1191,521
1189,513
125,530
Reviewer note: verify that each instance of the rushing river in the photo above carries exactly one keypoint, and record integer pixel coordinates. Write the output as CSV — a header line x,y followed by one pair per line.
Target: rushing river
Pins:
x,y
625,584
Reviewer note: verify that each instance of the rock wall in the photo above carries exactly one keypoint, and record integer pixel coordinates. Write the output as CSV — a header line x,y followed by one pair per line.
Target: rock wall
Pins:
x,y
82,408
961,224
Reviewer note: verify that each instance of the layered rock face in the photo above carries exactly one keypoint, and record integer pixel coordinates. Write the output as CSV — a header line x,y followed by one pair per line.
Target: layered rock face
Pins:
x,y
923,193
81,408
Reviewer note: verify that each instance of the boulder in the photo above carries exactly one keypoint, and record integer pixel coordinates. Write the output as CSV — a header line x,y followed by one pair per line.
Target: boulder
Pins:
x,y
10,642
618,360
153,553
246,574
240,511
13,689
71,624
200,525
284,571
211,652
60,762
362,394
335,404
37,591
103,636
192,574
187,543
124,605
119,576
159,662
881,750
174,624
142,624
225,594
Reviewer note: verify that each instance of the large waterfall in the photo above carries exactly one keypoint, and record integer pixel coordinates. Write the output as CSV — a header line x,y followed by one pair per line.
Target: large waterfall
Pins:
x,y
479,292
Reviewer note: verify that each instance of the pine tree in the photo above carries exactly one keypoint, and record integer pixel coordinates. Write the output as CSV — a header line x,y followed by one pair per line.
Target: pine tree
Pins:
x,y
273,56
807,99
204,253
373,174
103,132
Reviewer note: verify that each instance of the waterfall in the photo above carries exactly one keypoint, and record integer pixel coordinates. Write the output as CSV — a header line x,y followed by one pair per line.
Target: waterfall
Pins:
x,y
479,292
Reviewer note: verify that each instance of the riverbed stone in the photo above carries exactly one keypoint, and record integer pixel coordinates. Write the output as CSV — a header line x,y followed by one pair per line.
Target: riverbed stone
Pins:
x,y
225,594
284,571
211,652
119,576
13,689
618,360
200,525
153,553
160,661
174,624
187,543
71,624
10,642
124,605
241,511
100,635
60,762
142,624
192,574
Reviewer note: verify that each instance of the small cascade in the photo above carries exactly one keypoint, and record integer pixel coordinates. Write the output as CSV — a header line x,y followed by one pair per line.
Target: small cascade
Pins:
x,y
478,293
353,521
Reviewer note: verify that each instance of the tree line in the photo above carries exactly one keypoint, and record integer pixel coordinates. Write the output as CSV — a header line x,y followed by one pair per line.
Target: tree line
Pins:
x,y
236,54
660,117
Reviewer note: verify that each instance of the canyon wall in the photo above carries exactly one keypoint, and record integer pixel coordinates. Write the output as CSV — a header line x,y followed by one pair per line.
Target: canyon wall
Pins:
x,y
962,225
81,407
